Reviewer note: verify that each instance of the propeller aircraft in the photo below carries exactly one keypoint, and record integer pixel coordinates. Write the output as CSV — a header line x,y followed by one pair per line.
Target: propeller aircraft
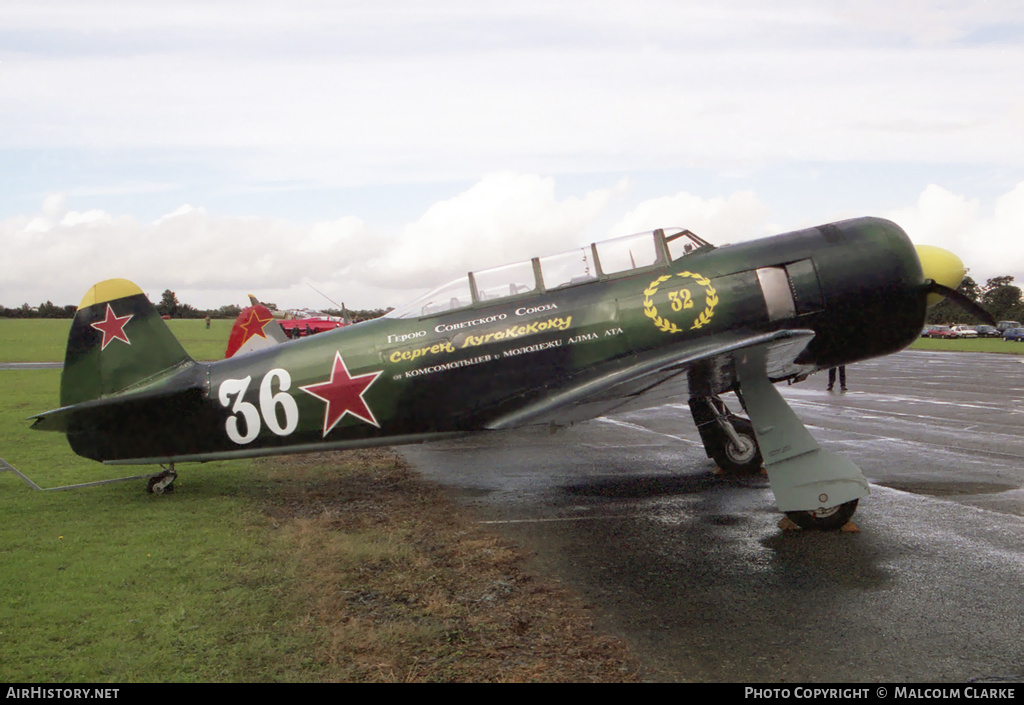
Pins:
x,y
622,324
256,326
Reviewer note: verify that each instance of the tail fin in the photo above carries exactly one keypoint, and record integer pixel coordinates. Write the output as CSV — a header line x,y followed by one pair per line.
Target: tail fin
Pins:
x,y
118,342
255,328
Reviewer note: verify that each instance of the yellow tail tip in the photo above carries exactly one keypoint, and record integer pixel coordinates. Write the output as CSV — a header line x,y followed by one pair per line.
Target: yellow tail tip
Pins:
x,y
109,290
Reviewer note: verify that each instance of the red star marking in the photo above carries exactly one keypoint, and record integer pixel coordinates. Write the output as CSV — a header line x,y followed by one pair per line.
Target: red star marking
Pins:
x,y
113,328
344,395
255,325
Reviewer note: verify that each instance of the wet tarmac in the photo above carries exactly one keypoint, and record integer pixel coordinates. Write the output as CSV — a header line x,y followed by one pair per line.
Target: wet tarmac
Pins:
x,y
692,569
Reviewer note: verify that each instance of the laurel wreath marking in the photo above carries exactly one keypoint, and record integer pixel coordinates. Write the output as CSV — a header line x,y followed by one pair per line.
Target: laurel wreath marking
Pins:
x,y
667,326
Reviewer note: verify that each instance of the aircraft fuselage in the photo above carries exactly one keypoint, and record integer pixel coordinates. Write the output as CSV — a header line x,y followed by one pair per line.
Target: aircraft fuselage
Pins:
x,y
855,284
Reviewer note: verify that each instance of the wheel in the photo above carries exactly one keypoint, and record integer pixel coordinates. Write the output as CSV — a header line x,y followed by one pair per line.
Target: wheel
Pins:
x,y
831,519
742,459
161,484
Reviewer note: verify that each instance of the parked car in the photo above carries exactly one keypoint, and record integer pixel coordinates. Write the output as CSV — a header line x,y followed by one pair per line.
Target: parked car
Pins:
x,y
1014,334
963,331
988,332
1003,326
938,332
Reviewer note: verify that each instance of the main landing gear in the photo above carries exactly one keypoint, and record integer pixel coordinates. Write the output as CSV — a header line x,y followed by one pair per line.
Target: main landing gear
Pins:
x,y
800,469
162,483
728,439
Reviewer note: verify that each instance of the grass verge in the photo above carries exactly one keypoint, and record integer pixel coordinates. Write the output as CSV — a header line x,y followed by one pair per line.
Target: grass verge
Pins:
x,y
404,587
988,345
45,340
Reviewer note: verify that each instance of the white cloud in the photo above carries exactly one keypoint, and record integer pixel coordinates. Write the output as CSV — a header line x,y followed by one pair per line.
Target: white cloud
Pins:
x,y
734,218
941,218
211,260
502,218
989,243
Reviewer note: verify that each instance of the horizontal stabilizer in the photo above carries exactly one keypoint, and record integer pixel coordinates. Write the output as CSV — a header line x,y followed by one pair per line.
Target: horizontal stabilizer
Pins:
x,y
165,421
189,380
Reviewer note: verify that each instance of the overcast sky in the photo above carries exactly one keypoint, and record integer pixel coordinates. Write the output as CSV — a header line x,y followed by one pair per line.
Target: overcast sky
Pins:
x,y
375,149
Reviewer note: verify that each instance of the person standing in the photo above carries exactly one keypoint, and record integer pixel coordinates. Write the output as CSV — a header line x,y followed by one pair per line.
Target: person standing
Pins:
x,y
832,378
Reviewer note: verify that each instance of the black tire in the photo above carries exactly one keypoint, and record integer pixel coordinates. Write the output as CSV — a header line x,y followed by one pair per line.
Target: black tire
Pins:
x,y
739,460
153,481
831,519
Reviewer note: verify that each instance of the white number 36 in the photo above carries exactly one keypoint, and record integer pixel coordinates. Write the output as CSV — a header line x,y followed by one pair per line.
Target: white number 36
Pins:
x,y
272,407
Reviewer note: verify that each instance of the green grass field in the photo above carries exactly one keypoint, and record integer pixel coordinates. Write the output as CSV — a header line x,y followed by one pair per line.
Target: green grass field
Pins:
x,y
989,345
44,340
110,584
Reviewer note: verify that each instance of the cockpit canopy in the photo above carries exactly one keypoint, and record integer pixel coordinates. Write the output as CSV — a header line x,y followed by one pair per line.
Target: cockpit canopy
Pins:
x,y
601,260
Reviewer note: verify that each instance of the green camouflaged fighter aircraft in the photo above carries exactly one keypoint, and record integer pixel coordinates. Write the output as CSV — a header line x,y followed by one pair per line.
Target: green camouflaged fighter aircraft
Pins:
x,y
623,324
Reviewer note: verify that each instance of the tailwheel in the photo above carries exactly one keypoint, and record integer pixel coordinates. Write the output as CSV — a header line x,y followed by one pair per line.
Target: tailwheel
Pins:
x,y
831,519
162,483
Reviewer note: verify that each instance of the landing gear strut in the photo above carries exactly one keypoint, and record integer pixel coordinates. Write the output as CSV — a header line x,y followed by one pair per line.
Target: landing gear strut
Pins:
x,y
816,489
728,439
163,483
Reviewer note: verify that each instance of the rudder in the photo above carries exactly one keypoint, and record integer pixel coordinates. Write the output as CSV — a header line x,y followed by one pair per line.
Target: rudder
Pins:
x,y
117,342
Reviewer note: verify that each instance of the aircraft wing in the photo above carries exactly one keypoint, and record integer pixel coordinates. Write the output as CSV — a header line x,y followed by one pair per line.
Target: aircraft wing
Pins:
x,y
645,380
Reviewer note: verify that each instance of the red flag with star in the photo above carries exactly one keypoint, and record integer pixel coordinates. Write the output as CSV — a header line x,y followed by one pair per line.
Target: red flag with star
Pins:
x,y
343,394
112,328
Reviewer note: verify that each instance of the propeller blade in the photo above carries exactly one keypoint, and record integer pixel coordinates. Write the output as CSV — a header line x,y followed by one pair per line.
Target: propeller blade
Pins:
x,y
960,300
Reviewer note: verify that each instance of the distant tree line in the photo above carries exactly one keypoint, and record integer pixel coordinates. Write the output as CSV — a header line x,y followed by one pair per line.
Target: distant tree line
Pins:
x,y
999,297
171,307
46,310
